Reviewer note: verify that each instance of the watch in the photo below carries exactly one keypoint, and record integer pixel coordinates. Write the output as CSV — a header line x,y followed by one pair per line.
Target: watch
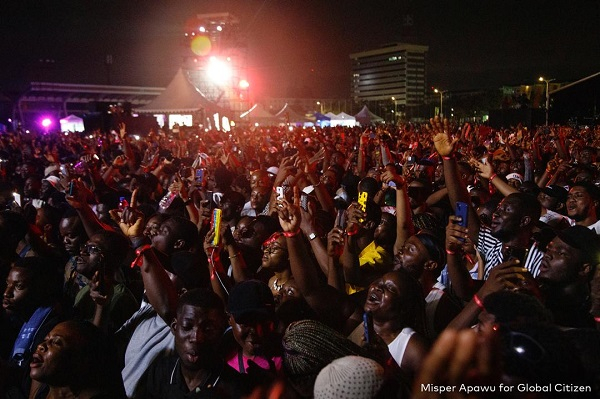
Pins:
x,y
312,236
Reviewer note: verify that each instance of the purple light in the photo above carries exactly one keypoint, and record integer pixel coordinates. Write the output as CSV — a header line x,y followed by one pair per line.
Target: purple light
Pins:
x,y
46,122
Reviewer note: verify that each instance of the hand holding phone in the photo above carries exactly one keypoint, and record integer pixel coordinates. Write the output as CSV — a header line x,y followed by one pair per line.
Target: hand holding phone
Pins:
x,y
216,225
363,196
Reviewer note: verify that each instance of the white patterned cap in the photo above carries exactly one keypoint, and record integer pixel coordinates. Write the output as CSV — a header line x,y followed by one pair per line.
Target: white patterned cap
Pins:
x,y
350,377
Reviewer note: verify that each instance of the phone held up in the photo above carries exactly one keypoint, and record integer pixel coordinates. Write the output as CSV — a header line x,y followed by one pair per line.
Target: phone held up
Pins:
x,y
216,225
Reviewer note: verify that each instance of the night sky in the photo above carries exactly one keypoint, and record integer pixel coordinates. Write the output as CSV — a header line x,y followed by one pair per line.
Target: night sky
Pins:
x,y
301,47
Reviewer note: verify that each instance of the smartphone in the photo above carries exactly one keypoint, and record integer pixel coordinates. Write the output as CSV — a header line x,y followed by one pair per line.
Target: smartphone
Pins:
x,y
462,210
368,327
304,201
280,194
340,219
72,188
123,203
199,177
216,225
17,198
362,202
510,252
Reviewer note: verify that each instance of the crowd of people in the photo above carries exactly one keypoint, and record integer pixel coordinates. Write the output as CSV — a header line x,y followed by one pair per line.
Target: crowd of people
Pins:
x,y
285,262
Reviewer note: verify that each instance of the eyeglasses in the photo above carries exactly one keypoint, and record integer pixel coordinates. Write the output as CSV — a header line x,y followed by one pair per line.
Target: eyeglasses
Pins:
x,y
269,249
92,249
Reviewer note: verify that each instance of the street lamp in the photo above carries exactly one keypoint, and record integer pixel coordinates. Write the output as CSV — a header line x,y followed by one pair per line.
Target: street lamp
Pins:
x,y
321,105
441,101
547,81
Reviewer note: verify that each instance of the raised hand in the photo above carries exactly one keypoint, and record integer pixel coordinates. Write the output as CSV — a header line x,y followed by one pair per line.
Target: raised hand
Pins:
x,y
289,215
335,239
485,170
444,145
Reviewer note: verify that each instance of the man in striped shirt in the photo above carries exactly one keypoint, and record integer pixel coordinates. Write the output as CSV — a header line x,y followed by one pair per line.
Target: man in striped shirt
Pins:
x,y
512,223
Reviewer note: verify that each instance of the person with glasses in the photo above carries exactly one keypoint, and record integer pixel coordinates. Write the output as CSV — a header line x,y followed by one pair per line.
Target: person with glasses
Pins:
x,y
104,300
276,260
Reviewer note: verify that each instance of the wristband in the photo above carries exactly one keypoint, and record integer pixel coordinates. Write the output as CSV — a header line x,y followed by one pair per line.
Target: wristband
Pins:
x,y
290,234
234,256
139,255
449,157
492,177
353,231
597,319
478,302
450,252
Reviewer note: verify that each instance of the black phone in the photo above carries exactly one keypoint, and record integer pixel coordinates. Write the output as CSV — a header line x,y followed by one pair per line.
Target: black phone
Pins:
x,y
510,252
72,188
368,327
340,220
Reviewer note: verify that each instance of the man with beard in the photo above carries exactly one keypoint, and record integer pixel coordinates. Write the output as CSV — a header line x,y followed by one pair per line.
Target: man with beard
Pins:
x,y
197,370
582,205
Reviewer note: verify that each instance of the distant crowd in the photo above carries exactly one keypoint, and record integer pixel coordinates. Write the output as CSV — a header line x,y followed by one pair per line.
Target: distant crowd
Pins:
x,y
392,261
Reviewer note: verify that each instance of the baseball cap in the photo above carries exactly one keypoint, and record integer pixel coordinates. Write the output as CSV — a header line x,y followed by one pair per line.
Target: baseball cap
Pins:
x,y
55,181
251,300
515,176
583,239
51,168
556,191
273,170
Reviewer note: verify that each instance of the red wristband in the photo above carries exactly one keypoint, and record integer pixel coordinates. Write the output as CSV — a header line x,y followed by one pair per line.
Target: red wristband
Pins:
x,y
289,234
597,319
478,302
450,252
451,156
492,177
139,255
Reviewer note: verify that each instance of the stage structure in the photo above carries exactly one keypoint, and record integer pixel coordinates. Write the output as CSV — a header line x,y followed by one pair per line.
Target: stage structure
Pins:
x,y
215,60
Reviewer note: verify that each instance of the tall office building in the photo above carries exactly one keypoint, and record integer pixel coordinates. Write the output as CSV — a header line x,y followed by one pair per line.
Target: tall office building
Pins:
x,y
395,73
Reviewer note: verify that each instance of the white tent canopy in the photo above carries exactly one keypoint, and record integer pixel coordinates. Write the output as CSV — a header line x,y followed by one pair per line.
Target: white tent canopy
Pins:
x,y
342,119
71,123
366,117
258,114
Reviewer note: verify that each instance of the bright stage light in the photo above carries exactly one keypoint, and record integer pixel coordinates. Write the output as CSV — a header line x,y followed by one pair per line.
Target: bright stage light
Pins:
x,y
244,84
46,122
218,72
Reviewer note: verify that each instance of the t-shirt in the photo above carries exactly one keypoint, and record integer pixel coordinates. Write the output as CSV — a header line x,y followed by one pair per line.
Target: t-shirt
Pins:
x,y
121,305
490,249
165,381
151,339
